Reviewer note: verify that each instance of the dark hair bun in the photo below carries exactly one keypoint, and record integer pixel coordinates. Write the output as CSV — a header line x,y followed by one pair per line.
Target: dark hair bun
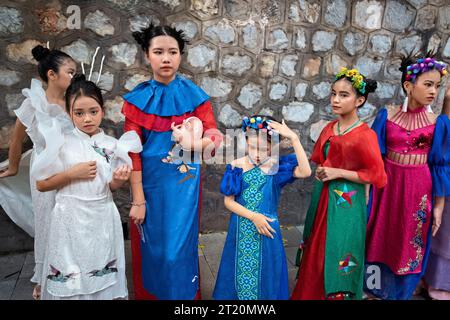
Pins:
x,y
371,85
406,61
143,37
78,77
139,37
39,52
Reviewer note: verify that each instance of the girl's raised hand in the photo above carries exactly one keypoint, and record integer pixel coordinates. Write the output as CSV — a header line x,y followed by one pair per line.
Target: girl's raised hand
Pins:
x,y
83,170
262,225
122,173
282,129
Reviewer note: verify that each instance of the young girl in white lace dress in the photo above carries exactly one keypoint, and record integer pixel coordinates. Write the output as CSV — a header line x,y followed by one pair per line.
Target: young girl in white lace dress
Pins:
x,y
56,69
85,255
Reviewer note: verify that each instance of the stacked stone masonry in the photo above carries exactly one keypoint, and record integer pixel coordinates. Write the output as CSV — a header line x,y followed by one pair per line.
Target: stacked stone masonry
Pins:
x,y
275,57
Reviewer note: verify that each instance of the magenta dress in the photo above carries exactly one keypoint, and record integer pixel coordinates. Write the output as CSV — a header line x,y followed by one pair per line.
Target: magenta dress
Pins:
x,y
400,214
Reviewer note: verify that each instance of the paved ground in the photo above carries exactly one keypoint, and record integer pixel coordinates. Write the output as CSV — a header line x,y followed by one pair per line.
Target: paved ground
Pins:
x,y
16,270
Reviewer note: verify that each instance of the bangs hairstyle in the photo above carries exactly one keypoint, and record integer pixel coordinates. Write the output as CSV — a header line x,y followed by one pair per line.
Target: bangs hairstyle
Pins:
x,y
145,36
80,87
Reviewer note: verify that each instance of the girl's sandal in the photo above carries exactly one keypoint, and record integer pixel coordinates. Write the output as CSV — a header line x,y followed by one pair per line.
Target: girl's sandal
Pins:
x,y
418,292
369,296
37,292
420,289
373,298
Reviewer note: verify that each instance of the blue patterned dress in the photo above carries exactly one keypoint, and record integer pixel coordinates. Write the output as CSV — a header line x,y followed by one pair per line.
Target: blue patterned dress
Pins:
x,y
253,266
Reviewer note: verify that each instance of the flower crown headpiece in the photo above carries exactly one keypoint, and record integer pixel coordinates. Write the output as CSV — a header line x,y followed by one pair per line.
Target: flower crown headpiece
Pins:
x,y
356,78
424,65
256,123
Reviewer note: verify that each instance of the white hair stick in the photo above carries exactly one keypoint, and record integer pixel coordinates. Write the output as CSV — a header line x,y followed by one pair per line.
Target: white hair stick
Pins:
x,y
92,63
101,68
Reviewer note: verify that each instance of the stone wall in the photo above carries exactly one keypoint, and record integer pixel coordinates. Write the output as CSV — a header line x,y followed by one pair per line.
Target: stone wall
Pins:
x,y
251,56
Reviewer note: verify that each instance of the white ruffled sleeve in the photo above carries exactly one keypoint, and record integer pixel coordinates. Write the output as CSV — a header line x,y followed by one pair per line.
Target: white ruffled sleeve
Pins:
x,y
25,113
52,123
128,142
48,162
44,110
35,101
37,114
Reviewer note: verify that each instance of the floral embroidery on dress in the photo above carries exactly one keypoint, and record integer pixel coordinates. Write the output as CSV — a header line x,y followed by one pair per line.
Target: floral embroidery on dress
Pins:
x,y
109,268
57,276
105,153
417,241
423,141
248,258
347,264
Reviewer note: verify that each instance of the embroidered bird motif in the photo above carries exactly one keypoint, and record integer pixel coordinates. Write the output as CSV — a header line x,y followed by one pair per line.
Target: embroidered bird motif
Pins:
x,y
182,168
172,155
106,270
168,158
57,276
105,153
185,168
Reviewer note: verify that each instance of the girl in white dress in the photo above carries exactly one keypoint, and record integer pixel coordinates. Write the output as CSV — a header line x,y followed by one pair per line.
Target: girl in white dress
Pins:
x,y
56,69
85,257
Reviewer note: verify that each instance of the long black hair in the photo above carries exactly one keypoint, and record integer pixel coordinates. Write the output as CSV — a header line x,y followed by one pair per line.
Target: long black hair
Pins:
x,y
144,37
80,87
49,60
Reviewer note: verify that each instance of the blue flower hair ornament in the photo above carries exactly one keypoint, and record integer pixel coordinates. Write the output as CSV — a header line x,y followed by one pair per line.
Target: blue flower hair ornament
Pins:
x,y
256,123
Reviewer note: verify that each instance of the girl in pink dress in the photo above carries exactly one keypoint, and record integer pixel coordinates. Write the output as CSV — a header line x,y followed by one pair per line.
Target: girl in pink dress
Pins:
x,y
399,226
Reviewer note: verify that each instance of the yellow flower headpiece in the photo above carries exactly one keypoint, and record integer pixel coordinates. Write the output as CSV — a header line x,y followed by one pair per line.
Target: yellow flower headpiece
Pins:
x,y
355,77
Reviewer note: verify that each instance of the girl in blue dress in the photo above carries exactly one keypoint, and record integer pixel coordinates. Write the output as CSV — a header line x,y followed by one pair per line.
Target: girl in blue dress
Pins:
x,y
437,275
166,193
253,265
